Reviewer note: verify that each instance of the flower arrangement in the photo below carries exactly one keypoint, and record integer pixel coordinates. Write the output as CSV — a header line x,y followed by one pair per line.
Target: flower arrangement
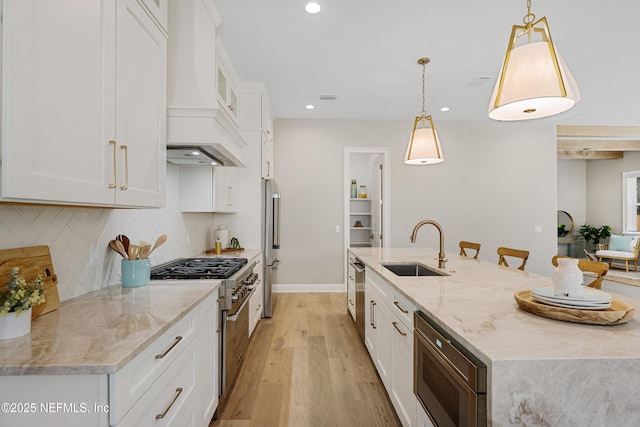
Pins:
x,y
19,296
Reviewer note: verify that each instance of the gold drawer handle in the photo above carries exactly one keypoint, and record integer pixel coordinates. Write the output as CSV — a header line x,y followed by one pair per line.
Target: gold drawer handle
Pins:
x,y
401,309
113,184
126,167
259,307
395,325
162,415
161,356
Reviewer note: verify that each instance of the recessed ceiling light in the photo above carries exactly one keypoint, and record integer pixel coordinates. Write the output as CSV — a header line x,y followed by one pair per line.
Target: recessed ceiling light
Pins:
x,y
445,109
312,7
195,153
310,107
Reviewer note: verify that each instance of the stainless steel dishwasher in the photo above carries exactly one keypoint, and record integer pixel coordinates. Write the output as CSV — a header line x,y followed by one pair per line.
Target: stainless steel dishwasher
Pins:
x,y
360,276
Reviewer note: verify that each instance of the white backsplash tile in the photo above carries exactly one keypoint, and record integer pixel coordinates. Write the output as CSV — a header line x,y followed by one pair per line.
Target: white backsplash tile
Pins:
x,y
70,232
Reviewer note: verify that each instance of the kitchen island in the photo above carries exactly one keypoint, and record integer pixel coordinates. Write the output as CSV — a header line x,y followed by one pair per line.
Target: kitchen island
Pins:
x,y
540,371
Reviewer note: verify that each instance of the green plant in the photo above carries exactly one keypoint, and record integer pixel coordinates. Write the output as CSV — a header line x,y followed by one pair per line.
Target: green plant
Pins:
x,y
19,296
562,231
593,234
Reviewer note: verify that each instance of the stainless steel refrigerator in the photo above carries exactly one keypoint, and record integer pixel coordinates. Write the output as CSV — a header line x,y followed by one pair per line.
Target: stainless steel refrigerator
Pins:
x,y
270,240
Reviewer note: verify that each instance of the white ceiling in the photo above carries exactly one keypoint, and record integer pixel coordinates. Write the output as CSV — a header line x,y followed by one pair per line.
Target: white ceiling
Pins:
x,y
366,52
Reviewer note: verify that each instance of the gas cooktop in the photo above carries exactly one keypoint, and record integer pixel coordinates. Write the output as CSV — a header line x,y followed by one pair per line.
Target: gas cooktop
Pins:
x,y
197,268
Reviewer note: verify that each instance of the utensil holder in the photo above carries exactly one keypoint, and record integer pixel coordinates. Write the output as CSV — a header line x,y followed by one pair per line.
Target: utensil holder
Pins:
x,y
135,272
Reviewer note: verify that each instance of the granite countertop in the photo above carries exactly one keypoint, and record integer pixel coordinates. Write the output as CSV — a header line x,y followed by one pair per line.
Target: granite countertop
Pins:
x,y
99,332
541,371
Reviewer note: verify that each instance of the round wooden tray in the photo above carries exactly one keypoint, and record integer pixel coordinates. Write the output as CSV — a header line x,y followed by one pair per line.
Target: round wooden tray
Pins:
x,y
618,313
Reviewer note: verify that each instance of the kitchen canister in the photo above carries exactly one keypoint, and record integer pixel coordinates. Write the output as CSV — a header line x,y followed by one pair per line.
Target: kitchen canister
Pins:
x,y
135,272
221,234
568,278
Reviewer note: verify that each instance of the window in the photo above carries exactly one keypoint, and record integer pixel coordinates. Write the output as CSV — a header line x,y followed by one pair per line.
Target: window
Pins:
x,y
631,202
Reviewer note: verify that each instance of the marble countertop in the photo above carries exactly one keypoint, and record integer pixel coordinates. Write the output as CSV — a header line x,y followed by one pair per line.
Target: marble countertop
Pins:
x,y
475,303
99,332
540,372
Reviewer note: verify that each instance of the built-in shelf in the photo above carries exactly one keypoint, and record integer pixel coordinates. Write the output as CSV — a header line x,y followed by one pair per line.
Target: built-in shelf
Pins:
x,y
360,211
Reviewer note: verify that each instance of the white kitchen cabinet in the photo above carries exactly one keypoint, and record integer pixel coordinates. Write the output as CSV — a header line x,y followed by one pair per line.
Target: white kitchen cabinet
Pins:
x,y
84,103
389,339
226,86
207,363
209,189
351,290
256,306
267,157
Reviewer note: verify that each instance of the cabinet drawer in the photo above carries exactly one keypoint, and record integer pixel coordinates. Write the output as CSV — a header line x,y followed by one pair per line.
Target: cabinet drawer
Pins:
x,y
402,308
171,400
255,308
128,385
382,288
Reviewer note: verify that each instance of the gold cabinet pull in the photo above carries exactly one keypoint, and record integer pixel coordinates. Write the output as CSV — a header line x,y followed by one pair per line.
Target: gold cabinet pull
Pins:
x,y
166,411
126,167
259,307
401,309
374,320
113,184
395,325
161,356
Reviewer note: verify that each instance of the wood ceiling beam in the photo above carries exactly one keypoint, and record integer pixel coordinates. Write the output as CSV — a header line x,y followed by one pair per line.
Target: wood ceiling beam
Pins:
x,y
577,131
590,155
599,144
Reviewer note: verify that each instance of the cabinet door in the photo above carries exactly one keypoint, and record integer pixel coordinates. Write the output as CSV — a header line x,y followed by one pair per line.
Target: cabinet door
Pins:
x,y
227,93
207,379
384,354
267,157
351,290
55,140
401,393
226,189
141,81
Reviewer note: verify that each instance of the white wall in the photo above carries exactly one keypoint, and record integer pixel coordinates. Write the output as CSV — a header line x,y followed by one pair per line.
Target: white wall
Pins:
x,y
69,232
572,190
604,189
497,183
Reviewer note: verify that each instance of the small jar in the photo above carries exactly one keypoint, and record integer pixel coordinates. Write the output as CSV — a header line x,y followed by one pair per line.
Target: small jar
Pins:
x,y
362,192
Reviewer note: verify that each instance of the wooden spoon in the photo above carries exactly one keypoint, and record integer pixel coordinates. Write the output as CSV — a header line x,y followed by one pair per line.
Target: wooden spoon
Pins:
x,y
117,246
134,251
125,242
159,242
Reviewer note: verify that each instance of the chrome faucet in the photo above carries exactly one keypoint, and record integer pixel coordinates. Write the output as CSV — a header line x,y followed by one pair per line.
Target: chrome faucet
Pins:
x,y
441,258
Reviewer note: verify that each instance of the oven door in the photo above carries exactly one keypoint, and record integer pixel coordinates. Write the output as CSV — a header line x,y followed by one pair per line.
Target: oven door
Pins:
x,y
448,399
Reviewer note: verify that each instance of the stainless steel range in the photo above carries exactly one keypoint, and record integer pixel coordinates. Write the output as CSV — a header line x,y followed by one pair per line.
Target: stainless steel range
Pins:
x,y
238,279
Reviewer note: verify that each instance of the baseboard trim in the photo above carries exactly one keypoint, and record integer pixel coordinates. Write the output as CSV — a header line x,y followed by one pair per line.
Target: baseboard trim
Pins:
x,y
315,287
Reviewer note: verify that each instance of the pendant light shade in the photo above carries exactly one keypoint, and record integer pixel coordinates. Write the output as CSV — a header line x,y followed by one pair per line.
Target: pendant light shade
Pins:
x,y
534,81
424,145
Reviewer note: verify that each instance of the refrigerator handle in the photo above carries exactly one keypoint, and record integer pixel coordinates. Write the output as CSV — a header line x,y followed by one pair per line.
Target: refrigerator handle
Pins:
x,y
276,221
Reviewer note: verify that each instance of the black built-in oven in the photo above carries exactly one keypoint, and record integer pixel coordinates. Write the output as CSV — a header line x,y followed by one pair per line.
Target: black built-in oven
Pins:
x,y
449,382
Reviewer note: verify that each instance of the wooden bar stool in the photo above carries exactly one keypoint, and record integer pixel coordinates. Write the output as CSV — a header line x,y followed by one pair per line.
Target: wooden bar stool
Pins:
x,y
599,268
469,245
516,253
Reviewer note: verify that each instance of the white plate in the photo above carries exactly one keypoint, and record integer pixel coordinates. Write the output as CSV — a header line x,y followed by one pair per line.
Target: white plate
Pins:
x,y
589,295
572,304
576,307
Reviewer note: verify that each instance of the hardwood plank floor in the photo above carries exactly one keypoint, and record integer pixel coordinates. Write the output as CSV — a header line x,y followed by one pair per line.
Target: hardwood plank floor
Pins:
x,y
306,367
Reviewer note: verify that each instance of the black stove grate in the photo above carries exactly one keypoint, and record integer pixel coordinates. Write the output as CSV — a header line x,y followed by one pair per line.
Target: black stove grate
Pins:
x,y
197,268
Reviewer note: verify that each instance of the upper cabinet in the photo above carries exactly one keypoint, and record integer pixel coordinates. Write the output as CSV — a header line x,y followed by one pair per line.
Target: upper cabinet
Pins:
x,y
226,89
256,117
84,103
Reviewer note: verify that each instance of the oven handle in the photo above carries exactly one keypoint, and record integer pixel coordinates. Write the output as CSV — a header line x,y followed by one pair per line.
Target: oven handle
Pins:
x,y
444,361
235,315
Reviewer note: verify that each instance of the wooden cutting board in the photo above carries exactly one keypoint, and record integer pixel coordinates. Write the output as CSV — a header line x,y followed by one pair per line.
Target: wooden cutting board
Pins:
x,y
618,313
32,261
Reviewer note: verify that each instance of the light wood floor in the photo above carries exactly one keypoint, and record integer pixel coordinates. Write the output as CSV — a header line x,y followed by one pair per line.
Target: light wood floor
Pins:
x,y
306,366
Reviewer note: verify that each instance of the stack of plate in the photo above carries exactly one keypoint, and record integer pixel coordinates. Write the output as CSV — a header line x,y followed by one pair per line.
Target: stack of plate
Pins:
x,y
593,299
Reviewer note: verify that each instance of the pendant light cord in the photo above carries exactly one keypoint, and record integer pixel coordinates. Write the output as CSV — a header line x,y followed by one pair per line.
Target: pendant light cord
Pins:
x,y
423,113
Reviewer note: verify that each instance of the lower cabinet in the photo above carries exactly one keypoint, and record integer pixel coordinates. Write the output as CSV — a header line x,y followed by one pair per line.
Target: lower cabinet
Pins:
x,y
351,287
173,381
389,340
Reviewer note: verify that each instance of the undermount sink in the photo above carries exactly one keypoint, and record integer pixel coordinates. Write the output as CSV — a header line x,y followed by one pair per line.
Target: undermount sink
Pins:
x,y
412,269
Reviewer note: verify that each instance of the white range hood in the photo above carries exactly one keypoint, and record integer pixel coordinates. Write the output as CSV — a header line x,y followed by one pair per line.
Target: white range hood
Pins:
x,y
195,122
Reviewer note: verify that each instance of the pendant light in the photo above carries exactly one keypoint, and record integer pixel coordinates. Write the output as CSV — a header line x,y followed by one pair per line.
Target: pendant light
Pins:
x,y
534,81
424,146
